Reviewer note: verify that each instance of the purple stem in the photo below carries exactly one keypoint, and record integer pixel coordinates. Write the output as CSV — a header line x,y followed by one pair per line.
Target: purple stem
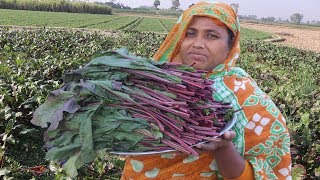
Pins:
x,y
176,121
175,146
147,75
204,128
180,91
206,132
183,144
194,138
194,74
193,79
194,83
178,113
159,95
141,111
210,117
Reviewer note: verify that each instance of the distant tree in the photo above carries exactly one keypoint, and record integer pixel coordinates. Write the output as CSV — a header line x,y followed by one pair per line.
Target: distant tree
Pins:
x,y
313,22
118,5
279,20
235,7
248,17
175,4
252,17
156,3
268,19
296,18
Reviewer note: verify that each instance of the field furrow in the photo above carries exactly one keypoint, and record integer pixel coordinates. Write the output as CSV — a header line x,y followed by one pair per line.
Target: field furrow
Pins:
x,y
168,23
134,25
150,24
115,24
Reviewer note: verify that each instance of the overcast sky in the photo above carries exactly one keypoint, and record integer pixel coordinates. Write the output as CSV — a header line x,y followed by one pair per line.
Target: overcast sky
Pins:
x,y
265,8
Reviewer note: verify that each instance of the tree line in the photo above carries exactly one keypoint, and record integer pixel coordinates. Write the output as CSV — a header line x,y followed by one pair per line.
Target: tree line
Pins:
x,y
175,4
56,6
295,18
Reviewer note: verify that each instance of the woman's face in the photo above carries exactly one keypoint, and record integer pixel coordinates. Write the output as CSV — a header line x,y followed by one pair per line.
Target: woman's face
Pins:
x,y
205,44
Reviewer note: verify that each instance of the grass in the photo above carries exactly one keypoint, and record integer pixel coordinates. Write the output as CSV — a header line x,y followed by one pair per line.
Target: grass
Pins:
x,y
168,13
247,34
151,24
98,21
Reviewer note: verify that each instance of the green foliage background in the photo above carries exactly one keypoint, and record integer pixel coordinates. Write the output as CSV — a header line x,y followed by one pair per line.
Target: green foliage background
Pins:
x,y
32,63
56,6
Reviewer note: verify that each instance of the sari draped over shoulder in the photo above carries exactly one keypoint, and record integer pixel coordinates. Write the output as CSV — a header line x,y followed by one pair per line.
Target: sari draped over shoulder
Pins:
x,y
262,136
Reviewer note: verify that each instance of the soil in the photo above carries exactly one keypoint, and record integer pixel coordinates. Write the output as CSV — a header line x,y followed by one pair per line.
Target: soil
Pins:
x,y
297,37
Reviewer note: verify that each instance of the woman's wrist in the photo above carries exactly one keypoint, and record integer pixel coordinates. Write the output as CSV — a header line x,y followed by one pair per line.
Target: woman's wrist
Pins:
x,y
230,163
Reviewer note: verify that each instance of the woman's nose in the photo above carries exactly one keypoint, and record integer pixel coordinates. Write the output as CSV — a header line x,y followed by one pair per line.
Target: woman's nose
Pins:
x,y
198,44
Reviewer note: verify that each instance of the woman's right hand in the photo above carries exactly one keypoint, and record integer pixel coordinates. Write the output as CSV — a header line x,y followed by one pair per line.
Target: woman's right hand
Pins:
x,y
218,143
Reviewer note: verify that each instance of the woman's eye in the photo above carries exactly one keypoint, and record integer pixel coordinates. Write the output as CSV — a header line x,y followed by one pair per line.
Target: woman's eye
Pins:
x,y
190,34
212,36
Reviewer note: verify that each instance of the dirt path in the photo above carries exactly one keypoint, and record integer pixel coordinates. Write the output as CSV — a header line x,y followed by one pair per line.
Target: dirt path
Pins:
x,y
301,38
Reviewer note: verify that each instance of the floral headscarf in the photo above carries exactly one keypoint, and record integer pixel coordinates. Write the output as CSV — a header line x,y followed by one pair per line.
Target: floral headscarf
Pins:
x,y
218,11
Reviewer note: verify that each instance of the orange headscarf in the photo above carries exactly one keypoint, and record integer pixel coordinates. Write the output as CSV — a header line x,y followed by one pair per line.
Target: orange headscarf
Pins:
x,y
222,14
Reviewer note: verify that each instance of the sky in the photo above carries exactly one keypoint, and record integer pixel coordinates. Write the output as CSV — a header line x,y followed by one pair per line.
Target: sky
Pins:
x,y
266,8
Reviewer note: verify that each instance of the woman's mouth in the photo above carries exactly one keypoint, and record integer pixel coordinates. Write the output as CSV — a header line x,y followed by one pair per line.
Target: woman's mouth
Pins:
x,y
197,56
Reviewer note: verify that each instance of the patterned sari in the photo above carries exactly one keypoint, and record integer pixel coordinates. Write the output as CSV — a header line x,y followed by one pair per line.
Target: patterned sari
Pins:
x,y
262,136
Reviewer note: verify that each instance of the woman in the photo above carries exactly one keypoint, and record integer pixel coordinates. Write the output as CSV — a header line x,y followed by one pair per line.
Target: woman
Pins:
x,y
207,36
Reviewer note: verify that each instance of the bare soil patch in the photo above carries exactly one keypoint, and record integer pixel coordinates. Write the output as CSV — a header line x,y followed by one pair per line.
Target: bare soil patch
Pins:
x,y
301,38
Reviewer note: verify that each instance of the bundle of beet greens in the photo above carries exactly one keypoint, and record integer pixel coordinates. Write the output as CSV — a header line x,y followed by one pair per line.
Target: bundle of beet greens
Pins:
x,y
121,102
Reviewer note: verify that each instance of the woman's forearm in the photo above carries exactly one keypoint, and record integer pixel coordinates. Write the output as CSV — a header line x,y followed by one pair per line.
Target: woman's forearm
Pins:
x,y
230,163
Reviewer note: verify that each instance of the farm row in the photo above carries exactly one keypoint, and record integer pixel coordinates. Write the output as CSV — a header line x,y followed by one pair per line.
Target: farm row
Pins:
x,y
91,21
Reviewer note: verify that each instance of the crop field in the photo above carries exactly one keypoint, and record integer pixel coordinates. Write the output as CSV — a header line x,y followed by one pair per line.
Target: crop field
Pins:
x,y
97,21
33,61
155,23
167,24
77,20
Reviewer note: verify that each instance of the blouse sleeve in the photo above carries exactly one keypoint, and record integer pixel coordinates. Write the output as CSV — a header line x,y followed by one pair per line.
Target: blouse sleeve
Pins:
x,y
262,135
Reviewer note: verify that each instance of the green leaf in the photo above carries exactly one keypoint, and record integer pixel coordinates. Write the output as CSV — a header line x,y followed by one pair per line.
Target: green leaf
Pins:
x,y
87,153
106,86
71,166
65,139
51,111
129,126
123,59
4,171
157,134
53,134
317,171
298,172
186,68
10,125
60,154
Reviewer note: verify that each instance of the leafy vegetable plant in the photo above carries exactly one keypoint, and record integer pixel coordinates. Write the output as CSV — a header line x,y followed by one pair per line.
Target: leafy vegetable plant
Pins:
x,y
121,102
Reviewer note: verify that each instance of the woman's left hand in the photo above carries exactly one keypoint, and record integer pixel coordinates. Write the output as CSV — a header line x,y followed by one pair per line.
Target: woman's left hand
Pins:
x,y
218,143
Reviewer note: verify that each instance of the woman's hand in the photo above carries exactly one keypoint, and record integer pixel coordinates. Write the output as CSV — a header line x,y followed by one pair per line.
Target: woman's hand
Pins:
x,y
218,143
230,163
